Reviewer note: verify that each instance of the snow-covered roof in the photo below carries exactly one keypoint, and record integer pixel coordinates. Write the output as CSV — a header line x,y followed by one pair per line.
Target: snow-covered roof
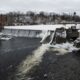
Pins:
x,y
39,27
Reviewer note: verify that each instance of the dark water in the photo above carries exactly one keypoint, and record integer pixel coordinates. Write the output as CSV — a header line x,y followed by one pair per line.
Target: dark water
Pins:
x,y
12,52
52,67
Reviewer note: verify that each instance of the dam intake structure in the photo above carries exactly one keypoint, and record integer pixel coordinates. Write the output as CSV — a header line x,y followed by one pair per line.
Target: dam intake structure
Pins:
x,y
61,35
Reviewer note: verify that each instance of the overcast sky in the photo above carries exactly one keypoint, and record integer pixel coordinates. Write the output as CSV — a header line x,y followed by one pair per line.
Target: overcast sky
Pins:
x,y
58,6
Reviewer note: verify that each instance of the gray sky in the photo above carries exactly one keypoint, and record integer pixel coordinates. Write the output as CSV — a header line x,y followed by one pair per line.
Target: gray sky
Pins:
x,y
58,6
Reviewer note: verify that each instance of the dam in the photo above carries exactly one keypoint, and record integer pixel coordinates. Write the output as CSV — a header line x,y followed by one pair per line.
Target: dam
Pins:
x,y
48,33
28,31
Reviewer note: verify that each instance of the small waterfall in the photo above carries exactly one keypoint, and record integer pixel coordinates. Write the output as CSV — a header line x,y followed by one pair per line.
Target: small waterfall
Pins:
x,y
56,36
52,38
21,33
6,32
45,35
59,37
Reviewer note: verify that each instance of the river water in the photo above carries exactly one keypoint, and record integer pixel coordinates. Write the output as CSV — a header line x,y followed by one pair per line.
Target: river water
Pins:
x,y
25,59
13,52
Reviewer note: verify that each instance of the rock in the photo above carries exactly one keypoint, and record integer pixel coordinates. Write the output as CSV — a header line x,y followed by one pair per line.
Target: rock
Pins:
x,y
77,43
30,79
72,34
45,75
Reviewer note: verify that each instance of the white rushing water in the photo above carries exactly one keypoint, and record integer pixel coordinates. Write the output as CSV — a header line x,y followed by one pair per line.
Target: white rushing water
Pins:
x,y
32,60
44,35
21,33
52,37
63,48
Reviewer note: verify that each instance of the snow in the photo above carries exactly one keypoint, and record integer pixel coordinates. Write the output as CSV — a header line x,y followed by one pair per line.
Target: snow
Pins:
x,y
77,40
63,34
42,27
39,27
34,27
79,31
78,26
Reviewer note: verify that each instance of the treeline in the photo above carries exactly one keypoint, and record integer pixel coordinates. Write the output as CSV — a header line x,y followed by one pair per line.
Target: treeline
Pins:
x,y
33,18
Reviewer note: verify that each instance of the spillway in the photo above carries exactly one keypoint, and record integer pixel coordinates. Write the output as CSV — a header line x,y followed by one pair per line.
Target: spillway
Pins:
x,y
29,31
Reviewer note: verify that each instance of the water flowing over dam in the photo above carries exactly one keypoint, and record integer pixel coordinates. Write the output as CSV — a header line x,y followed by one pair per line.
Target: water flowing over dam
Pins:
x,y
31,31
48,33
52,34
21,33
58,36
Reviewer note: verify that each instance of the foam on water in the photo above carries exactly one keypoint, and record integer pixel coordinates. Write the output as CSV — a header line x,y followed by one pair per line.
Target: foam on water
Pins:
x,y
32,60
64,48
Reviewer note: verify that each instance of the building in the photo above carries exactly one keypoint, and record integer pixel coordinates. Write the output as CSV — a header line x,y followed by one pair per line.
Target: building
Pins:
x,y
3,21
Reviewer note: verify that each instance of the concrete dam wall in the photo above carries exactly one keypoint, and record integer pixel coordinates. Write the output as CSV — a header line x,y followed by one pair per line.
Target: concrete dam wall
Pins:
x,y
21,33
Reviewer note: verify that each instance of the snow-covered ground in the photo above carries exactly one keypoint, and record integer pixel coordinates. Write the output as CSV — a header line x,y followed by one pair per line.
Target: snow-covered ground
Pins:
x,y
34,27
